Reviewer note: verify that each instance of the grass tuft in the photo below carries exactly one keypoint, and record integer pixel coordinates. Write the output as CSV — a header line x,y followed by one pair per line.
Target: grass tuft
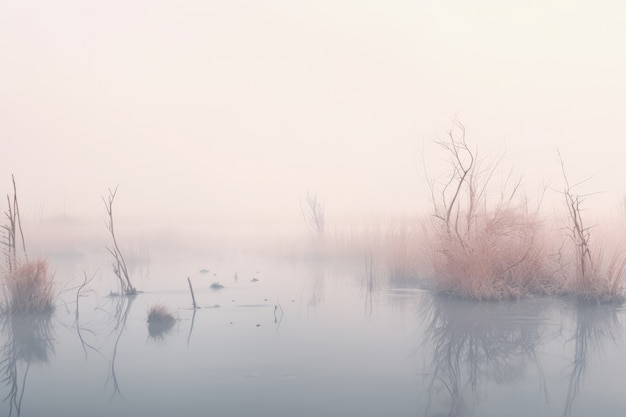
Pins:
x,y
160,321
29,289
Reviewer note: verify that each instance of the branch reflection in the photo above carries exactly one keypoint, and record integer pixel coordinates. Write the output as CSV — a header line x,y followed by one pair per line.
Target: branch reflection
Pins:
x,y
121,312
472,342
28,340
596,326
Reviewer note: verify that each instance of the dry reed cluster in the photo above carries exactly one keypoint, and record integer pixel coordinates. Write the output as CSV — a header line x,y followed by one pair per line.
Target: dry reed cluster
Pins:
x,y
29,288
500,256
26,286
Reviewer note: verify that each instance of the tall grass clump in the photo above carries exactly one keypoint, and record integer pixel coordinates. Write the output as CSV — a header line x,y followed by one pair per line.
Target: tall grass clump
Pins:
x,y
484,241
27,286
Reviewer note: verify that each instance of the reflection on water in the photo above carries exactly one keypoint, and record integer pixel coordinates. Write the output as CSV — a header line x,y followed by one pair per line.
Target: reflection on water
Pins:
x,y
80,329
471,342
28,340
596,326
262,352
475,348
122,309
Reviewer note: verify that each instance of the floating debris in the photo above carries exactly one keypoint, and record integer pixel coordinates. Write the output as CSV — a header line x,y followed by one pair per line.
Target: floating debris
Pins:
x,y
204,271
216,286
254,280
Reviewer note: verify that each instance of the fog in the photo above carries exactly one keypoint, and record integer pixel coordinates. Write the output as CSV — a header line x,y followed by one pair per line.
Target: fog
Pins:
x,y
213,113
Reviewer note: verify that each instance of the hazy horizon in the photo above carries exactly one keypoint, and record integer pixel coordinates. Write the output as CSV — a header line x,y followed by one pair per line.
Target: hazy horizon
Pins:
x,y
206,111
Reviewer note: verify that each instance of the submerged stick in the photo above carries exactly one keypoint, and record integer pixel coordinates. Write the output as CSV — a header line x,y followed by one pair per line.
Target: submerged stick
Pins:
x,y
193,297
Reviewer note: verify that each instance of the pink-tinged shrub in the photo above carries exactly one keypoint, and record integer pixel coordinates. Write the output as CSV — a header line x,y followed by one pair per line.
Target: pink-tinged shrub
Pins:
x,y
501,255
485,243
480,246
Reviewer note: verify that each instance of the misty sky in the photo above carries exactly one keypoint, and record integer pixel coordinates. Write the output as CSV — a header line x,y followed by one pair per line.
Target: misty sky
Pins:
x,y
213,108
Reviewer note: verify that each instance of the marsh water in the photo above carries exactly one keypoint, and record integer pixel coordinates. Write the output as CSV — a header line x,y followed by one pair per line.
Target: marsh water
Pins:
x,y
303,336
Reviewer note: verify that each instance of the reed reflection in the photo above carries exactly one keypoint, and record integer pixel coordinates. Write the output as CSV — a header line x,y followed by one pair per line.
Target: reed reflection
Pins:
x,y
597,325
470,343
27,340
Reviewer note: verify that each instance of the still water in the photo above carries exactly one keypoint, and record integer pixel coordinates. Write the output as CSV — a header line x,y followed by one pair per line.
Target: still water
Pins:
x,y
304,337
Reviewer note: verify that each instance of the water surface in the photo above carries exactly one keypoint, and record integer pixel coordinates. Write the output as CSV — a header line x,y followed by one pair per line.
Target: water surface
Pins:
x,y
296,336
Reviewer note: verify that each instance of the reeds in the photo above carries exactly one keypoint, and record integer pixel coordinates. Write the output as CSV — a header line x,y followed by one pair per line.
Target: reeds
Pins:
x,y
27,286
501,258
29,289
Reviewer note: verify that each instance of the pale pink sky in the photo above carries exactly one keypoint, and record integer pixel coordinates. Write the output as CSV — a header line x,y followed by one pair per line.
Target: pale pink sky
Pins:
x,y
200,108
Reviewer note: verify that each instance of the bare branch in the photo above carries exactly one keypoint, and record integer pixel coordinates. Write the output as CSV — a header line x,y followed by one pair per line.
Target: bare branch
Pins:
x,y
119,264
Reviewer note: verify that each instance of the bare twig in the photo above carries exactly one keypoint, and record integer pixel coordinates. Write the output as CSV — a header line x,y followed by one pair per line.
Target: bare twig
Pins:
x,y
313,212
12,228
119,264
193,297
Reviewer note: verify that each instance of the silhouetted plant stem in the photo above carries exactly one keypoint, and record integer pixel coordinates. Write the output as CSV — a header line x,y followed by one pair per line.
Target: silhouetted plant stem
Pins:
x,y
119,264
193,297
13,226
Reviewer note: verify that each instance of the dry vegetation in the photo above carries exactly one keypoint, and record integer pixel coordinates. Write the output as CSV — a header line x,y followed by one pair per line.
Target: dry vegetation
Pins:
x,y
591,273
119,263
27,286
481,248
313,213
485,242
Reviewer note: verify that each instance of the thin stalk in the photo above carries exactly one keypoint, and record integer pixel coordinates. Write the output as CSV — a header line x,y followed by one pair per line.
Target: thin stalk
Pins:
x,y
193,297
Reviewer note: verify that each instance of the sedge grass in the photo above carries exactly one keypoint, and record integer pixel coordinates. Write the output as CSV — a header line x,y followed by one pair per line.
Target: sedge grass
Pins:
x,y
29,288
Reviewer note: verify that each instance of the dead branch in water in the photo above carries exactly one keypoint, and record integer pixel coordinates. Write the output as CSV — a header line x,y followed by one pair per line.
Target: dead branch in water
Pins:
x,y
119,264
193,297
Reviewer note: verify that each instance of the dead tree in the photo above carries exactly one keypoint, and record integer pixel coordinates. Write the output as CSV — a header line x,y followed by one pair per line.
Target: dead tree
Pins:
x,y
119,264
580,235
313,212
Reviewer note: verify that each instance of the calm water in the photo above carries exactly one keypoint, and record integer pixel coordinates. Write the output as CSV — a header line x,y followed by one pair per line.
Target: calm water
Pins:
x,y
296,337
